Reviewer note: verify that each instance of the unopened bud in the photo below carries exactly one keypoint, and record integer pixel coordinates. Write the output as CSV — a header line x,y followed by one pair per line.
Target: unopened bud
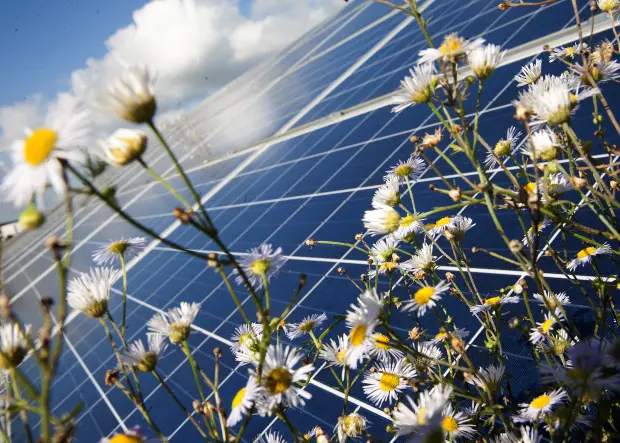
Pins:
x,y
450,277
414,139
217,352
311,243
197,405
458,129
47,302
303,278
125,146
182,215
111,377
455,194
212,260
503,6
359,237
341,270
31,218
5,306
515,246
56,243
522,283
109,194
614,185
457,344
364,278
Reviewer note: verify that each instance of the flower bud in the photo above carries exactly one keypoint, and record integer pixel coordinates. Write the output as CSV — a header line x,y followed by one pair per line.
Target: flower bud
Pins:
x,y
311,243
124,146
31,218
455,194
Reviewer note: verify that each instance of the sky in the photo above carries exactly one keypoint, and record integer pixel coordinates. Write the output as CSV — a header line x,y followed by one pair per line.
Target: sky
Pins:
x,y
194,47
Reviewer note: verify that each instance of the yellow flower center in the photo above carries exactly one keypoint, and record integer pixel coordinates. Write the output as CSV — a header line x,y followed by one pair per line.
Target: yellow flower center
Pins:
x,y
307,326
422,416
423,295
260,267
121,438
492,301
382,342
39,146
502,147
389,266
586,252
541,401
238,398
352,425
449,424
118,247
530,187
546,326
246,340
442,222
570,51
407,221
388,382
341,356
358,334
278,380
441,336
451,45
392,220
403,170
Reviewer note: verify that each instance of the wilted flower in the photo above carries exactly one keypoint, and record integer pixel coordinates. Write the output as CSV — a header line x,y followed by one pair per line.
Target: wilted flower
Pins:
x,y
350,426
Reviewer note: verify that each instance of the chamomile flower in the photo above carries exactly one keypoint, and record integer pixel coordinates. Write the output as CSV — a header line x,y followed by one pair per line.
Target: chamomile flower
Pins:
x,y
260,264
484,59
423,416
37,158
381,221
243,401
270,437
542,329
410,169
543,145
585,256
176,323
601,72
531,232
416,88
425,356
89,293
422,260
387,194
408,227
494,303
362,321
14,344
451,49
383,249
335,352
281,377
446,336
488,378
246,342
126,248
569,52
459,226
296,330
553,301
439,227
541,406
529,73
142,359
382,348
387,381
130,96
456,424
503,147
351,426
425,298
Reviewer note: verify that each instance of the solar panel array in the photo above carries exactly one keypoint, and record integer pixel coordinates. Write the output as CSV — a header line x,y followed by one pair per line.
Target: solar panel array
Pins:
x,y
300,143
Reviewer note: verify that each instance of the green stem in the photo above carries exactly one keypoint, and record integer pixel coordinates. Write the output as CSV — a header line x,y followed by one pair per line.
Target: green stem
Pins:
x,y
192,364
124,315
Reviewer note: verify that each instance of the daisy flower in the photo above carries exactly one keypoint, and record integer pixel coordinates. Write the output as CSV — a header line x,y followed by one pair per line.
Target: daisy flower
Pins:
x,y
439,226
295,330
130,96
503,147
408,227
388,194
553,301
585,256
14,344
555,185
270,437
488,378
362,321
260,264
542,329
387,381
601,72
557,342
425,298
176,323
430,140
569,52
446,336
89,293
130,247
423,259
538,408
450,50
540,226
484,59
142,359
243,401
459,226
381,221
426,354
543,145
281,377
37,158
417,88
383,249
351,426
529,73
246,342
457,424
423,416
124,146
381,347
494,303
410,169
335,352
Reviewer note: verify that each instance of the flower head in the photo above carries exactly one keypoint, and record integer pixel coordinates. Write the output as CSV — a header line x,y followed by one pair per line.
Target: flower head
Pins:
x,y
529,73
451,49
408,170
296,330
124,146
408,227
488,378
416,89
569,52
609,6
425,298
456,424
131,436
484,59
425,415
542,329
553,301
243,401
176,323
14,344
351,426
270,437
383,249
387,381
335,352
130,96
422,260
585,256
362,321
543,145
246,343
142,359
383,349
541,406
494,303
503,147
89,293
535,230
381,221
433,139
387,194
280,377
260,264
37,158
116,248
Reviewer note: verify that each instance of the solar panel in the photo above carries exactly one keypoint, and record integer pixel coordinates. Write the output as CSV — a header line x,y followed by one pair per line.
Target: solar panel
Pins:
x,y
292,150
